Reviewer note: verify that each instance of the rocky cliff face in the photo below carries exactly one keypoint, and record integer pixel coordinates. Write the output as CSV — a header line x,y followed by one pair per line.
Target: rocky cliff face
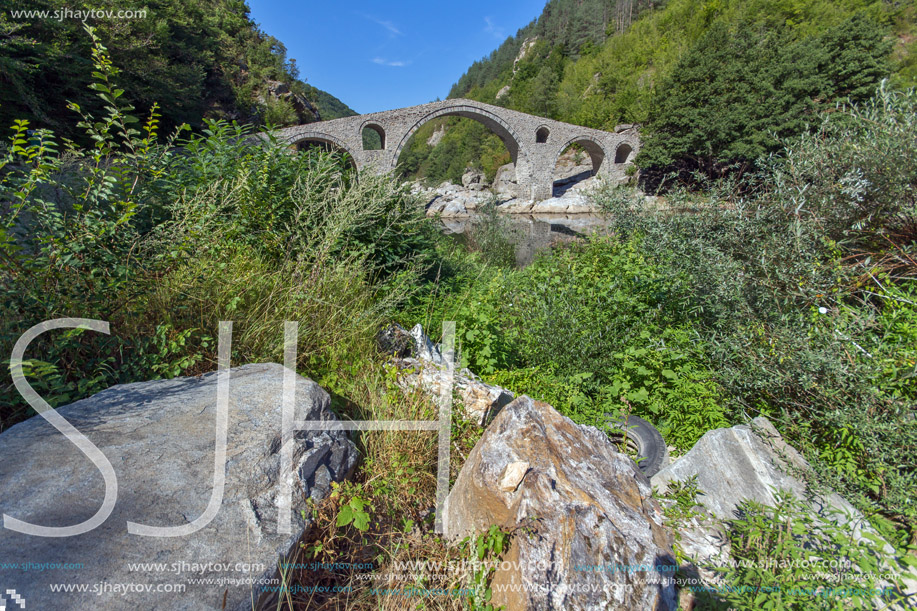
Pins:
x,y
306,111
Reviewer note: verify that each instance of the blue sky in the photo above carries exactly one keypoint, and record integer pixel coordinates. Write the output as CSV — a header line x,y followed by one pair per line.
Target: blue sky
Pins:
x,y
378,56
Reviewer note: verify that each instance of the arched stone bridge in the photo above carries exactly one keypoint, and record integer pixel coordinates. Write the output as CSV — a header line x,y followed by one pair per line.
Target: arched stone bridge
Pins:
x,y
534,143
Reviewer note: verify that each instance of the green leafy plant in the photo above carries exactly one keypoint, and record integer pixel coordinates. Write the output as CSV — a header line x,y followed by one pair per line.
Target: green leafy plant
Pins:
x,y
786,558
679,505
484,551
355,511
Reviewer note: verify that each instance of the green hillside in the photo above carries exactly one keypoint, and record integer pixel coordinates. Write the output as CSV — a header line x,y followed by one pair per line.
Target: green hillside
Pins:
x,y
195,58
711,81
329,107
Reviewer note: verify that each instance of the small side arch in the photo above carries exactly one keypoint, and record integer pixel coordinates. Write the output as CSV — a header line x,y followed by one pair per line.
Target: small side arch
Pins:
x,y
542,134
369,140
624,153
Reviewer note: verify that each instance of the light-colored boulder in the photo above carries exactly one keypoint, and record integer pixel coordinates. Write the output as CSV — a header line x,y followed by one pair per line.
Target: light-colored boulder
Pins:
x,y
747,462
159,438
424,348
480,401
447,188
505,181
593,535
516,206
570,203
750,462
454,208
474,179
436,206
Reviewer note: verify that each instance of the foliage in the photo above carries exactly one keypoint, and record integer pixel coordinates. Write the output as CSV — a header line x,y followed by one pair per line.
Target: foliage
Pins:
x,y
855,175
736,93
195,59
577,26
786,558
711,82
572,395
669,387
789,296
679,506
491,235
164,244
354,511
792,289
563,330
465,144
683,495
484,550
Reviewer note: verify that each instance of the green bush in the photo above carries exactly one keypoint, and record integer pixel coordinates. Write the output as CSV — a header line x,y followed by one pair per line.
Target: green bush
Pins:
x,y
798,287
737,92
786,558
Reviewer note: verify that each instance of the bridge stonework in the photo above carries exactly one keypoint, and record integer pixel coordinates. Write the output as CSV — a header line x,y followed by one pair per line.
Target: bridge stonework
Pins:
x,y
534,143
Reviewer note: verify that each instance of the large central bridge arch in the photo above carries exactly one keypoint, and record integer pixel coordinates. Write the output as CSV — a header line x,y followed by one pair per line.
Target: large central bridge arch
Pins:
x,y
490,120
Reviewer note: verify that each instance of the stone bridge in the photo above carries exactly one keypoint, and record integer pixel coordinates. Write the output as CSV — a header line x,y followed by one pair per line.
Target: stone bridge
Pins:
x,y
534,143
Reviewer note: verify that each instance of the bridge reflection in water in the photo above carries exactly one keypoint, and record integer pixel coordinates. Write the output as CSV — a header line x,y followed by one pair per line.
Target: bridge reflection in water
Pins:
x,y
532,234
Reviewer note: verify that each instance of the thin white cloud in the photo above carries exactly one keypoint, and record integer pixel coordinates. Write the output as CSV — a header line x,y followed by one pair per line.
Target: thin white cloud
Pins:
x,y
388,25
395,64
493,29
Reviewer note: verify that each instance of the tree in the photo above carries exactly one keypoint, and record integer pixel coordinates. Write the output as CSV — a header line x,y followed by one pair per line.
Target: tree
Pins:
x,y
737,92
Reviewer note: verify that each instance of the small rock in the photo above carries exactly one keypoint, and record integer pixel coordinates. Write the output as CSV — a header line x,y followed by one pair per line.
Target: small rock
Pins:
x,y
424,348
394,340
513,475
473,178
481,401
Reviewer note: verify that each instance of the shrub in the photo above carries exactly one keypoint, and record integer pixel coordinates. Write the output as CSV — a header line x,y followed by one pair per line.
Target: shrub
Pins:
x,y
787,558
797,285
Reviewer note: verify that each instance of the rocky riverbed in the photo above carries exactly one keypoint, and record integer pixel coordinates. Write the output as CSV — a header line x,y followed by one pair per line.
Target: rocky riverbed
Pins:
x,y
573,179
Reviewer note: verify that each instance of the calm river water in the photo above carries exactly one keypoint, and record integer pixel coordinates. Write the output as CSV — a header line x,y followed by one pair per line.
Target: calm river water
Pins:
x,y
533,234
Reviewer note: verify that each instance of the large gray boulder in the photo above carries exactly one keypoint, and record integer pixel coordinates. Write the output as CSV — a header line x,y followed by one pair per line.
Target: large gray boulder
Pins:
x,y
749,462
505,181
159,437
590,534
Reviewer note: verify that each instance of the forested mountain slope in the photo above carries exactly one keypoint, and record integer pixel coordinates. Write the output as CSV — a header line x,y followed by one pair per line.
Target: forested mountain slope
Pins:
x,y
195,58
711,81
